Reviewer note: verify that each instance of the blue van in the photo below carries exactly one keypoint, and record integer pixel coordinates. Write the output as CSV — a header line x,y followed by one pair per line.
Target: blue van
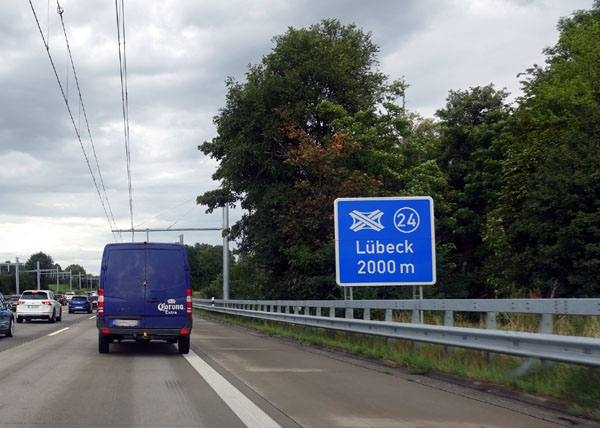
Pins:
x,y
145,294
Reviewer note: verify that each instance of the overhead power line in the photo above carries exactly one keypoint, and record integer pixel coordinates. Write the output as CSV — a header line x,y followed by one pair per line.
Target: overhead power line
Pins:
x,y
120,15
180,218
163,212
60,12
62,91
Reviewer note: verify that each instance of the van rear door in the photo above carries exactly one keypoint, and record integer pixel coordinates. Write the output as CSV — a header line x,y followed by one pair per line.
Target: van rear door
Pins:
x,y
166,285
124,293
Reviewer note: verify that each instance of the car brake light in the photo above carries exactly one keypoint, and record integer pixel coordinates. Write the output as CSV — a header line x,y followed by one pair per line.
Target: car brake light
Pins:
x,y
105,331
101,302
188,302
45,302
21,302
185,332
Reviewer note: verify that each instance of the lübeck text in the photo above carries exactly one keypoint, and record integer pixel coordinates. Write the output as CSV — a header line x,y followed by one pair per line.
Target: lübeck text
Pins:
x,y
376,247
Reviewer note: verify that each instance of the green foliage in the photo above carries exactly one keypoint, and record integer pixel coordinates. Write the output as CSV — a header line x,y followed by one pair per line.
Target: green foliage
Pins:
x,y
76,269
470,155
206,263
45,260
548,223
289,102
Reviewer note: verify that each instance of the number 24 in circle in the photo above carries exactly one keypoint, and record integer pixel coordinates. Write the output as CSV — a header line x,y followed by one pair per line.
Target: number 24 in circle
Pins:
x,y
406,220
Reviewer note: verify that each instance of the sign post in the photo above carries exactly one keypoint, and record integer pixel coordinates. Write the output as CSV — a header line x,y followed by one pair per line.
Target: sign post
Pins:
x,y
384,241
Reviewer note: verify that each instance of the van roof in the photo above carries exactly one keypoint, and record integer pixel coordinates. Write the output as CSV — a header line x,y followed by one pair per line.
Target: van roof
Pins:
x,y
133,245
144,245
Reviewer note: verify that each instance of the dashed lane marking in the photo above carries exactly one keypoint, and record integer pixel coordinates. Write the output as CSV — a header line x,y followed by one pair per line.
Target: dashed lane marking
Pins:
x,y
59,331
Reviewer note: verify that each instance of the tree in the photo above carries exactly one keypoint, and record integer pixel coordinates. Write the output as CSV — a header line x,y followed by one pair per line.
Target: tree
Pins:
x,y
470,154
547,227
206,264
45,260
76,269
308,68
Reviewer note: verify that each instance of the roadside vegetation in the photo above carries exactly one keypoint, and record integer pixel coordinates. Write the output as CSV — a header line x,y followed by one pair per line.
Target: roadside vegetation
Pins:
x,y
515,184
577,387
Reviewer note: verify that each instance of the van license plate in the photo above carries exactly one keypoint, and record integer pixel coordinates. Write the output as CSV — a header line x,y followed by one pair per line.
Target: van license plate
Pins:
x,y
125,323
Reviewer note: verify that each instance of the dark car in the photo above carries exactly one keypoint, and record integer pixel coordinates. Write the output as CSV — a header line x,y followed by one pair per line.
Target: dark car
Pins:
x,y
7,319
61,299
145,294
80,304
94,300
13,300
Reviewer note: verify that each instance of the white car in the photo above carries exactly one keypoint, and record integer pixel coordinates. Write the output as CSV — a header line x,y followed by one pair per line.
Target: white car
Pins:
x,y
69,295
38,304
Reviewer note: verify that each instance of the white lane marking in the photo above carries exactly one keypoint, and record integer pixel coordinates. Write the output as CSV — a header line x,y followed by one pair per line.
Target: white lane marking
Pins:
x,y
59,331
249,413
91,318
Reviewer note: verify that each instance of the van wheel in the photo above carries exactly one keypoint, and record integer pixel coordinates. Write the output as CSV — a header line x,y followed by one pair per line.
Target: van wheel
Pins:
x,y
103,344
184,344
19,320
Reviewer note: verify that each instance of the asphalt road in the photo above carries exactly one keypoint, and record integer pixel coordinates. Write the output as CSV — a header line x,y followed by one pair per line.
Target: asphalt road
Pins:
x,y
52,375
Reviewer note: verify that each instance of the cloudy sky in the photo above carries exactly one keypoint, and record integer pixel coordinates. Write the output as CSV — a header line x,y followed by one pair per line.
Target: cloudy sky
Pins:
x,y
179,54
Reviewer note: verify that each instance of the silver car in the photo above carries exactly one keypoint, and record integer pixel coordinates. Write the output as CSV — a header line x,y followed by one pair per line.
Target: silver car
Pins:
x,y
38,304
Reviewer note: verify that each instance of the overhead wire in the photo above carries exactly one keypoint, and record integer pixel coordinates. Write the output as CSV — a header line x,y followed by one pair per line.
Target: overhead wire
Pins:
x,y
180,218
163,212
82,109
125,99
62,91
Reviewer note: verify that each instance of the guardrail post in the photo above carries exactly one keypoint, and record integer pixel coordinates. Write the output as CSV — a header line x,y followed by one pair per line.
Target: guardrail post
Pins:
x,y
546,328
367,314
287,309
449,322
318,311
490,324
349,313
296,310
332,312
388,318
415,318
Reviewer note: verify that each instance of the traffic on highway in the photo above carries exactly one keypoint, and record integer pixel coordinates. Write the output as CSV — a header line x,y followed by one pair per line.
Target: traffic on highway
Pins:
x,y
230,377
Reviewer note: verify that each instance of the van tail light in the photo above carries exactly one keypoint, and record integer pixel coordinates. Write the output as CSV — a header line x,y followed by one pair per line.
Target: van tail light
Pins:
x,y
188,302
101,302
46,302
185,332
105,331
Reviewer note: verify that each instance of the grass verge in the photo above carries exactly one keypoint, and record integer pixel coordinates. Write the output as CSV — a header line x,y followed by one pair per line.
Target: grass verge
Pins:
x,y
577,386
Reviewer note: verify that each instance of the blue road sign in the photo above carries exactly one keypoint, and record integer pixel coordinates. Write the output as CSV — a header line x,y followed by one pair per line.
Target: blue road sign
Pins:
x,y
384,241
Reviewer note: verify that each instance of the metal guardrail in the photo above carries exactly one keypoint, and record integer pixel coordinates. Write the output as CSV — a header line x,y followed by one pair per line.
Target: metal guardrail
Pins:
x,y
543,345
